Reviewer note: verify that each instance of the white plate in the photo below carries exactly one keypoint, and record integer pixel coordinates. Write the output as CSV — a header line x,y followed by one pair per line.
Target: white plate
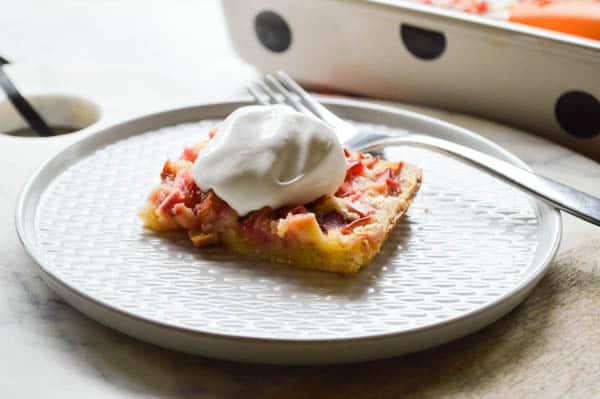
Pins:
x,y
469,251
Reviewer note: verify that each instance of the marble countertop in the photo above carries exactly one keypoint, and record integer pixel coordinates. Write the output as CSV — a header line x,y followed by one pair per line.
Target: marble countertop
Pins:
x,y
144,56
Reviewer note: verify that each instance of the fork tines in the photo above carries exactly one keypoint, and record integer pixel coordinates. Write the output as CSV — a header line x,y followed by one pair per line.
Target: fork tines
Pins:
x,y
280,88
275,89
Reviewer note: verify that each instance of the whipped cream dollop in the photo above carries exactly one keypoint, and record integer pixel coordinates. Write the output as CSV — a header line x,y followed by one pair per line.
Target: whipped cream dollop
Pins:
x,y
270,156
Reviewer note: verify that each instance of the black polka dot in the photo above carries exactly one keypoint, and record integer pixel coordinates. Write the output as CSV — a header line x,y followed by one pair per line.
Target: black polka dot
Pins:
x,y
578,113
272,31
423,43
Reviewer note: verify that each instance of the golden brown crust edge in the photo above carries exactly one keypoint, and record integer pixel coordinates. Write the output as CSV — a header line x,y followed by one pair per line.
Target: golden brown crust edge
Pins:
x,y
411,179
408,196
347,262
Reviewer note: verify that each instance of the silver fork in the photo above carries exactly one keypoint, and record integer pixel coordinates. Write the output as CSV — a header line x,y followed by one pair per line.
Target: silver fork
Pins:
x,y
279,88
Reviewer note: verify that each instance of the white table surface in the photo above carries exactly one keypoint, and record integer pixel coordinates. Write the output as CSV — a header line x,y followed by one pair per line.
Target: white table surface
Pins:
x,y
135,57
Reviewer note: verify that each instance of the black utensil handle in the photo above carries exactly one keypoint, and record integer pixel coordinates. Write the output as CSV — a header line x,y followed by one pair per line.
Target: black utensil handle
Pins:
x,y
35,121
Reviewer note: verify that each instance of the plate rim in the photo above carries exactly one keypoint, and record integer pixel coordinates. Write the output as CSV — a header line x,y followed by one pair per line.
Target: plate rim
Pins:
x,y
539,268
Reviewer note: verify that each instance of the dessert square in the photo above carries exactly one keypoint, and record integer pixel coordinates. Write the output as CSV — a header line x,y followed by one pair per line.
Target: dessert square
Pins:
x,y
336,233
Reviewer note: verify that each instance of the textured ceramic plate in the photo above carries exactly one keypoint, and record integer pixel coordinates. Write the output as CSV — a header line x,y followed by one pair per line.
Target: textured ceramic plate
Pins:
x,y
470,249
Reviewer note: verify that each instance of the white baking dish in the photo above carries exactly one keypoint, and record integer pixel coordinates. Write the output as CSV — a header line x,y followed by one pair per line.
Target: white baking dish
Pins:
x,y
542,81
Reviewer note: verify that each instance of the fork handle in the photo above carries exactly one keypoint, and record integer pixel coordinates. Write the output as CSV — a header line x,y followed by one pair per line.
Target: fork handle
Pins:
x,y
561,196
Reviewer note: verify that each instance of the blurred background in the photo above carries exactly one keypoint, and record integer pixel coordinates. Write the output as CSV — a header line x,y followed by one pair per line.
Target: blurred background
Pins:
x,y
130,56
172,38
